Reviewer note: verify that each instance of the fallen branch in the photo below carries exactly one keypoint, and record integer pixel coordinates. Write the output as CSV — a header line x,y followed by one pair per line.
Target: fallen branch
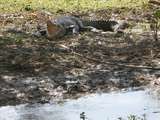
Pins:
x,y
118,64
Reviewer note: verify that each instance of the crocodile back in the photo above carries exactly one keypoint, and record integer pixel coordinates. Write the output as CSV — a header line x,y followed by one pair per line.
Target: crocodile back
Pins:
x,y
68,21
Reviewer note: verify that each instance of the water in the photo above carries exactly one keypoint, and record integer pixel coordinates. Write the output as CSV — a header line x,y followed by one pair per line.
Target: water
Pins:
x,y
96,106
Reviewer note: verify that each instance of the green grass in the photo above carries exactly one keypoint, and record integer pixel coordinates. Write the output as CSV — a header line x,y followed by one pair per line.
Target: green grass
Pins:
x,y
66,5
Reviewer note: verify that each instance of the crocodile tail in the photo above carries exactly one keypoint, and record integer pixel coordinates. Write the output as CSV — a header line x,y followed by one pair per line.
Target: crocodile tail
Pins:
x,y
108,25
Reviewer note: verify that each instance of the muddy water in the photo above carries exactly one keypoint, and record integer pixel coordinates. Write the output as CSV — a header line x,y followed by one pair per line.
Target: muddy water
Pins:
x,y
96,106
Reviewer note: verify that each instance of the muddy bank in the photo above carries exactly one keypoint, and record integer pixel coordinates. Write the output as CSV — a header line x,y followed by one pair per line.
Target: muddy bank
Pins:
x,y
35,69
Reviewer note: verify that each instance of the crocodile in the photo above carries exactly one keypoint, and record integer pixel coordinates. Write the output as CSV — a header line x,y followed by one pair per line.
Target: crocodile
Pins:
x,y
73,25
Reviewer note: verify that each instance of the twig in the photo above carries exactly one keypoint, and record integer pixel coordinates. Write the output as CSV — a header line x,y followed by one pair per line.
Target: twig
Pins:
x,y
118,64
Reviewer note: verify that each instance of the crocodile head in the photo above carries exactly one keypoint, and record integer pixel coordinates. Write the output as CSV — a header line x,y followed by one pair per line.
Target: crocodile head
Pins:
x,y
54,30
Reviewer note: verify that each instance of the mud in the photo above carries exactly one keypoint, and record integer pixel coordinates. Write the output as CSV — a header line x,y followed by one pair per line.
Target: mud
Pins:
x,y
35,69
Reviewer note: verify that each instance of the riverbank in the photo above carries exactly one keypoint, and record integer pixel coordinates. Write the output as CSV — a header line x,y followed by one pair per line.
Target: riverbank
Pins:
x,y
37,70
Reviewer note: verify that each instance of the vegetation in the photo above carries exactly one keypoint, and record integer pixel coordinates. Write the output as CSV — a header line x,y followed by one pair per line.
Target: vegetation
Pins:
x,y
156,24
130,117
67,5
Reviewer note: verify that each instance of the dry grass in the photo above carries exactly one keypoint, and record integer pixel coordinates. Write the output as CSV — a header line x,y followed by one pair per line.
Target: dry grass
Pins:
x,y
66,5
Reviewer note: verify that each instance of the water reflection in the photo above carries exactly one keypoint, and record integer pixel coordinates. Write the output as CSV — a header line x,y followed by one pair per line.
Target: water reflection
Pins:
x,y
97,107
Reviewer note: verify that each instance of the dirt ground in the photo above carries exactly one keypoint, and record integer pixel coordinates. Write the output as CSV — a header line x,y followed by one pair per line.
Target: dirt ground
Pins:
x,y
35,69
